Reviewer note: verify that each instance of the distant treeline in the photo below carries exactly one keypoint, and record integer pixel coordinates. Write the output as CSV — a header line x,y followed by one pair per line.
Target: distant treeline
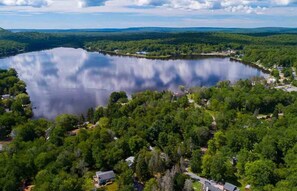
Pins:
x,y
269,49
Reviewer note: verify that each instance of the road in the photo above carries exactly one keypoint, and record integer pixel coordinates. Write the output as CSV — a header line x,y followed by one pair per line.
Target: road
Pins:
x,y
196,177
203,180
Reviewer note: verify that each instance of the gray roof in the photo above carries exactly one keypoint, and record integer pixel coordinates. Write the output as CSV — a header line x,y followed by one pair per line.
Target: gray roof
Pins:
x,y
210,187
230,187
105,175
5,96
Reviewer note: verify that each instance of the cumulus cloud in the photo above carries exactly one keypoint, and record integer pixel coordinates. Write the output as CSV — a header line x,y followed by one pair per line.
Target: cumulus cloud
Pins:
x,y
91,3
32,3
248,6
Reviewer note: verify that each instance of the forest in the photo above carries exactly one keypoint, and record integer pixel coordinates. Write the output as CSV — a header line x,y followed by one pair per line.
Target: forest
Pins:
x,y
270,49
243,133
15,105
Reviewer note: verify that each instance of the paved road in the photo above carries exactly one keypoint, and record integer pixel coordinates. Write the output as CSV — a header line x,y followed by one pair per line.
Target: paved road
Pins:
x,y
203,180
197,178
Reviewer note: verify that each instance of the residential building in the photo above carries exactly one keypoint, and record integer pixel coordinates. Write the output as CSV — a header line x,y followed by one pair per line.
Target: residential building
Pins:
x,y
230,187
105,177
208,186
5,96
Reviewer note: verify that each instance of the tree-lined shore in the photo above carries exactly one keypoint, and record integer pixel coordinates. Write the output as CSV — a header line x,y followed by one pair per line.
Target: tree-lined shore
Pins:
x,y
242,133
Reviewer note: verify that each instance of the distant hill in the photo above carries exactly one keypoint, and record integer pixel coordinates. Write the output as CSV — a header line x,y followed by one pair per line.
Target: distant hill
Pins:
x,y
2,30
166,29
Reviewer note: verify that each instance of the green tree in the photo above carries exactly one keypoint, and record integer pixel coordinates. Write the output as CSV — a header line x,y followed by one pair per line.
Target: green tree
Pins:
x,y
151,185
141,169
67,121
23,98
179,181
118,96
260,173
196,161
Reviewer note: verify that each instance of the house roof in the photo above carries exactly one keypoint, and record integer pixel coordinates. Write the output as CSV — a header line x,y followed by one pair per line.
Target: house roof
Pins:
x,y
105,175
210,187
6,96
130,159
229,187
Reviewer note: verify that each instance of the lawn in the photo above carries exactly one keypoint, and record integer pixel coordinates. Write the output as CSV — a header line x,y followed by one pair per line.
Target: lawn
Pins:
x,y
197,186
113,187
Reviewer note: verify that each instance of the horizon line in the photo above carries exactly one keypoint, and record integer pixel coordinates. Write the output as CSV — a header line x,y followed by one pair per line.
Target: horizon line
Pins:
x,y
151,27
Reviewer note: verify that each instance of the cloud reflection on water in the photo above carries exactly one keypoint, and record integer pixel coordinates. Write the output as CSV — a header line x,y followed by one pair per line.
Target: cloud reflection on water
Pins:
x,y
66,80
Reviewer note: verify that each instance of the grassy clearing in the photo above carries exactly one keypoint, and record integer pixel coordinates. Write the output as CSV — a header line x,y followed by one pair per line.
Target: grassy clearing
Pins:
x,y
113,187
197,186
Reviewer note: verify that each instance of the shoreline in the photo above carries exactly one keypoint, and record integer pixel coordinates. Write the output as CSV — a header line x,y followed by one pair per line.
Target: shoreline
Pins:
x,y
191,57
166,57
258,66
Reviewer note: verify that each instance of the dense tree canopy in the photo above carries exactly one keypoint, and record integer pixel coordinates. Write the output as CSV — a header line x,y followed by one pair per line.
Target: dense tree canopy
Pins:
x,y
244,133
269,49
161,131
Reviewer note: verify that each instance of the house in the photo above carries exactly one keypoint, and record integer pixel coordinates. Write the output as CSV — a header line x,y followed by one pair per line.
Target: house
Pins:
x,y
208,186
5,96
142,53
271,80
179,94
230,187
105,177
130,161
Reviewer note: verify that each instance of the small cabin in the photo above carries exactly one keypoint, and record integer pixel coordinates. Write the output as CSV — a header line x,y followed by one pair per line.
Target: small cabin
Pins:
x,y
104,178
5,96
230,187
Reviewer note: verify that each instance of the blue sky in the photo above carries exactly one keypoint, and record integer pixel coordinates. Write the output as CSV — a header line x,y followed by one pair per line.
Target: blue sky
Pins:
x,y
65,14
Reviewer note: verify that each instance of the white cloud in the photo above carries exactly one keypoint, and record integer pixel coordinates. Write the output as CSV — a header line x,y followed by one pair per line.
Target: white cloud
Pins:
x,y
157,7
248,6
32,3
283,2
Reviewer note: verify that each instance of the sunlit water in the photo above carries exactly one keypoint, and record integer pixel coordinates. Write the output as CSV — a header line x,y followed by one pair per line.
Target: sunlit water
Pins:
x,y
66,80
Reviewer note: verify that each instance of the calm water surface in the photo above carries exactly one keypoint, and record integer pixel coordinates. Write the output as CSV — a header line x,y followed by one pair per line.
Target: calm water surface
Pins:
x,y
66,80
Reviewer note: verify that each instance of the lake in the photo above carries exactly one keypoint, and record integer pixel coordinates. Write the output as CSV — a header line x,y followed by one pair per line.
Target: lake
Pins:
x,y
67,80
